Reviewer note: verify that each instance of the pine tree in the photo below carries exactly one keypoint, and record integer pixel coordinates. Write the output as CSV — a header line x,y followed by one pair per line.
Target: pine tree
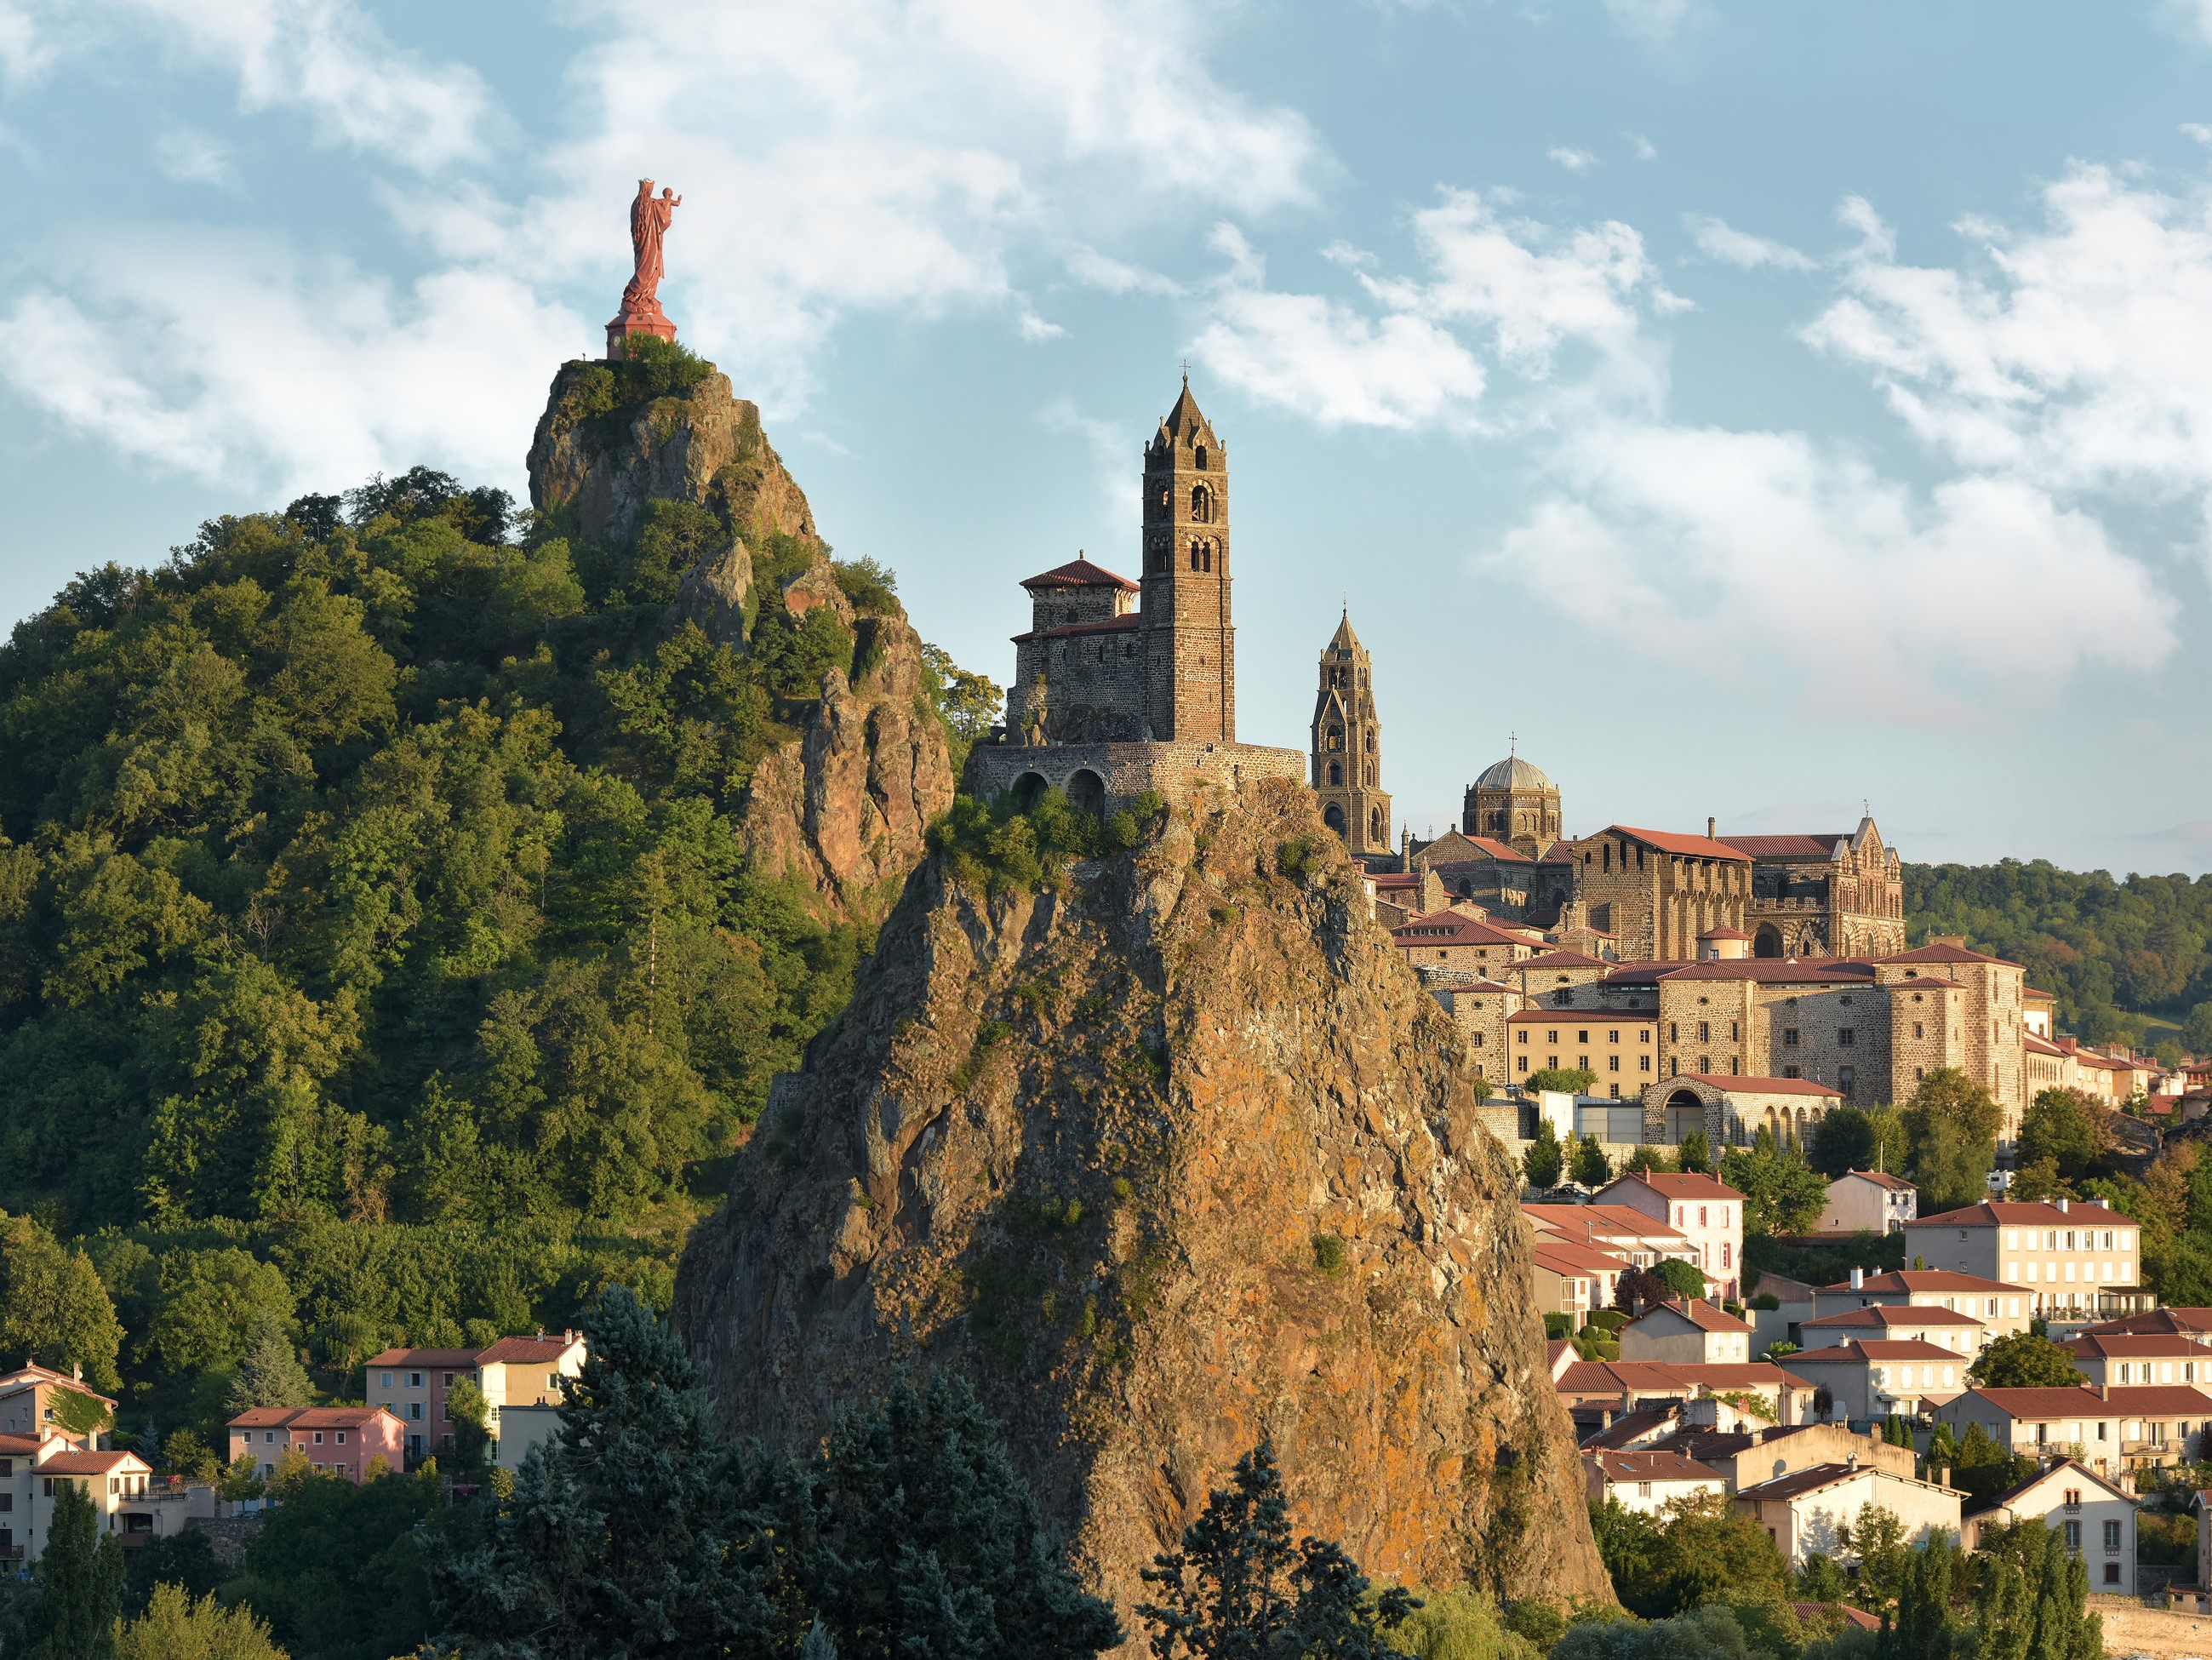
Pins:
x,y
921,1539
1922,1627
2034,1603
268,1371
634,1532
1237,1590
80,1581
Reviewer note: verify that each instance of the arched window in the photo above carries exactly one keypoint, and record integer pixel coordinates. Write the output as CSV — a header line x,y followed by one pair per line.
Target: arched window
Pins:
x,y
1206,557
1202,458
1336,739
1374,823
1202,505
1336,774
1196,553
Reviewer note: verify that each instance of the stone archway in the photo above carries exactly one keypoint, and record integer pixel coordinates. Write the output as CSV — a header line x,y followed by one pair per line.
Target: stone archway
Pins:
x,y
1767,942
1087,790
1685,1111
1027,788
1333,816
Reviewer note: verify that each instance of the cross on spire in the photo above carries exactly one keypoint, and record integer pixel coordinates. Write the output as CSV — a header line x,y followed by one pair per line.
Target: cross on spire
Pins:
x,y
1185,367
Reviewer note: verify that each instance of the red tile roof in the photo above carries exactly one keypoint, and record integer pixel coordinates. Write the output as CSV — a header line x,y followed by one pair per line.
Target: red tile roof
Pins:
x,y
1946,954
1890,1314
1925,983
2181,1319
1852,1616
1652,1467
307,1418
1994,1213
1564,959
1448,927
1884,1179
1616,1376
1723,933
90,1463
1565,1257
1706,1316
1079,574
1764,1086
1767,970
1685,847
1863,1350
1568,1017
1692,1184
1786,847
2131,1346
513,1351
2049,1402
1922,1280
432,1358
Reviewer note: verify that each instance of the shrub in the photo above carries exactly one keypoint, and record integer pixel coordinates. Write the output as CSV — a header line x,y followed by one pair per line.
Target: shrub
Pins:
x,y
871,587
1296,858
1559,1327
1328,1253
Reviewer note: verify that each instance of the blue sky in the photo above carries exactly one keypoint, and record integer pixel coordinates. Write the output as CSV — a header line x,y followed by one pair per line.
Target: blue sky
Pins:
x,y
1757,409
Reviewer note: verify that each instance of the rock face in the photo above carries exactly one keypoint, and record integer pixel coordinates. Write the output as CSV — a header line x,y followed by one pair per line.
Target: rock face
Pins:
x,y
842,807
1175,1156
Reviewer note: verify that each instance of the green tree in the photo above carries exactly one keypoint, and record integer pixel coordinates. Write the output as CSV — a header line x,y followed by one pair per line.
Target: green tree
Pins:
x,y
80,1414
175,1628
471,1418
1876,1537
1782,1195
1542,1162
1592,1169
2196,1029
52,1305
2033,1599
1704,1633
268,1371
1627,1542
1238,1588
1681,1278
923,1540
209,1303
1952,1122
337,1570
1923,1627
80,1581
1983,1470
1695,1154
1571,1080
1821,1580
635,1529
969,704
2065,1127
1708,1552
2024,1360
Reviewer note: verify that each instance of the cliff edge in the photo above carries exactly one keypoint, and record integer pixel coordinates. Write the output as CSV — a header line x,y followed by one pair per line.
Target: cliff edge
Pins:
x,y
840,808
1166,1157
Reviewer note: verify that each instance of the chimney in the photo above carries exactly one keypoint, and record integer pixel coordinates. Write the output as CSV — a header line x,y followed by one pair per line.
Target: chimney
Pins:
x,y
1858,1279
2062,1205
1851,1462
1709,825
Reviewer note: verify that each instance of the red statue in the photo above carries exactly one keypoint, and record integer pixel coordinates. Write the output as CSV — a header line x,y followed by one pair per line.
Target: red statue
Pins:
x,y
640,313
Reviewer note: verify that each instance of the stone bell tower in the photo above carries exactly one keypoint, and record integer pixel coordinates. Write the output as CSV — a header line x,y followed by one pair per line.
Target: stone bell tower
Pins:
x,y
1190,650
1347,746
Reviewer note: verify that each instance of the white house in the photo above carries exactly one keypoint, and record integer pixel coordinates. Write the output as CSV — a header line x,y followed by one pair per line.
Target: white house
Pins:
x,y
1874,1380
1694,1333
2097,1517
2000,1308
1947,1329
1868,1201
1573,1279
2077,1262
1813,1510
2107,1428
1645,1481
1623,1386
1614,1229
2122,1358
1704,1209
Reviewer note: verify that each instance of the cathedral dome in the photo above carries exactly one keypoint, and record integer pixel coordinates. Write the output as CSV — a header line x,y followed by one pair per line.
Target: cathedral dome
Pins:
x,y
1513,774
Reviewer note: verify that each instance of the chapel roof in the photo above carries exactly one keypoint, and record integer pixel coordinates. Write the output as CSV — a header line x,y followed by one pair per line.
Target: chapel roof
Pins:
x,y
1080,573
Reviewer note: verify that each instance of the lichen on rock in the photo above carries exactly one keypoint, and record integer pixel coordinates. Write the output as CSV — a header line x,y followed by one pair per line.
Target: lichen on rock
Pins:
x,y
1171,1155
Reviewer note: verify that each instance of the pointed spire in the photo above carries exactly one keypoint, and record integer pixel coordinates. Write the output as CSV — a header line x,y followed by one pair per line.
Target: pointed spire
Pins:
x,y
1344,639
1185,417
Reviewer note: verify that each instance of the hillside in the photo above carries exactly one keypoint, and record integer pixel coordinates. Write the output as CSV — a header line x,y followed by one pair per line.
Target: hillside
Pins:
x,y
2110,949
404,901
1164,1149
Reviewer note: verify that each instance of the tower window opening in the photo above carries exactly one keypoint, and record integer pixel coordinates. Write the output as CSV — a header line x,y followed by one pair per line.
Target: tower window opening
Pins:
x,y
1195,553
1336,738
1336,773
1201,506
1200,458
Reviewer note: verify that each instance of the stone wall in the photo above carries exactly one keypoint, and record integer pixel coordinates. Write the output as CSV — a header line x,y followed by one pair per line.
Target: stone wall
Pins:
x,y
1820,1016
1123,771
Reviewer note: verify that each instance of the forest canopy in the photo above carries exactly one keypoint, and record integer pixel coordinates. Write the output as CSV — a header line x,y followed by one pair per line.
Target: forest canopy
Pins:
x,y
377,950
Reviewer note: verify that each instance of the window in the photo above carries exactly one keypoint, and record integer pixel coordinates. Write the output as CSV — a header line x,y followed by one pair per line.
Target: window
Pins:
x,y
415,1411
268,1438
2113,1572
1524,1059
318,1438
1523,1035
1642,1063
1845,1079
1701,1217
384,1380
2111,1535
1582,1038
1643,1489
1672,1033
1789,1072
1847,1035
1705,1032
1613,1063
2073,1537
413,1380
1790,1038
1916,1028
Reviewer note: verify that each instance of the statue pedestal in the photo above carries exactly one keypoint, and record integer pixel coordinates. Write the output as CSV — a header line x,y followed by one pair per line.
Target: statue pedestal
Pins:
x,y
648,318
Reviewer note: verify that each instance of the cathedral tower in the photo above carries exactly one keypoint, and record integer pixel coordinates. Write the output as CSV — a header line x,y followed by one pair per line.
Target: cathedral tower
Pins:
x,y
1347,746
1190,649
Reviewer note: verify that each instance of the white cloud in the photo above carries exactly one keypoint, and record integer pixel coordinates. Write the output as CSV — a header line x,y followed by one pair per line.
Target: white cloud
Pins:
x,y
2076,353
1094,270
2197,130
1717,240
240,364
1035,330
2191,19
193,157
23,54
1643,149
1524,292
1574,160
1758,553
1114,452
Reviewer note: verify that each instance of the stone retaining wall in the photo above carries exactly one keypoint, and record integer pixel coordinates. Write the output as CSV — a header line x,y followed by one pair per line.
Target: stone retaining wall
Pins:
x,y
1123,771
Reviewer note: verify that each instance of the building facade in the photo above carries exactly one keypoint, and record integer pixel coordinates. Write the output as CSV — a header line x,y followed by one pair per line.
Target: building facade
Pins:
x,y
1513,803
1347,746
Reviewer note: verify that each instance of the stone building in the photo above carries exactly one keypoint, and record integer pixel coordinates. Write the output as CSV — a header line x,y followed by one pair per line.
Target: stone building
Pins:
x,y
1347,746
1122,687
1515,803
1824,896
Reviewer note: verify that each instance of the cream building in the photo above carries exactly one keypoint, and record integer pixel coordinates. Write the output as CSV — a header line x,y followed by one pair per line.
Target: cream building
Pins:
x,y
1816,1509
1647,1483
2095,1516
2075,1262
1694,1333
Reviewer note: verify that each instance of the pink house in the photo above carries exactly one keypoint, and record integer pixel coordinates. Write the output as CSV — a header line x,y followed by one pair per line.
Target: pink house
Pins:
x,y
336,1440
1704,1209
